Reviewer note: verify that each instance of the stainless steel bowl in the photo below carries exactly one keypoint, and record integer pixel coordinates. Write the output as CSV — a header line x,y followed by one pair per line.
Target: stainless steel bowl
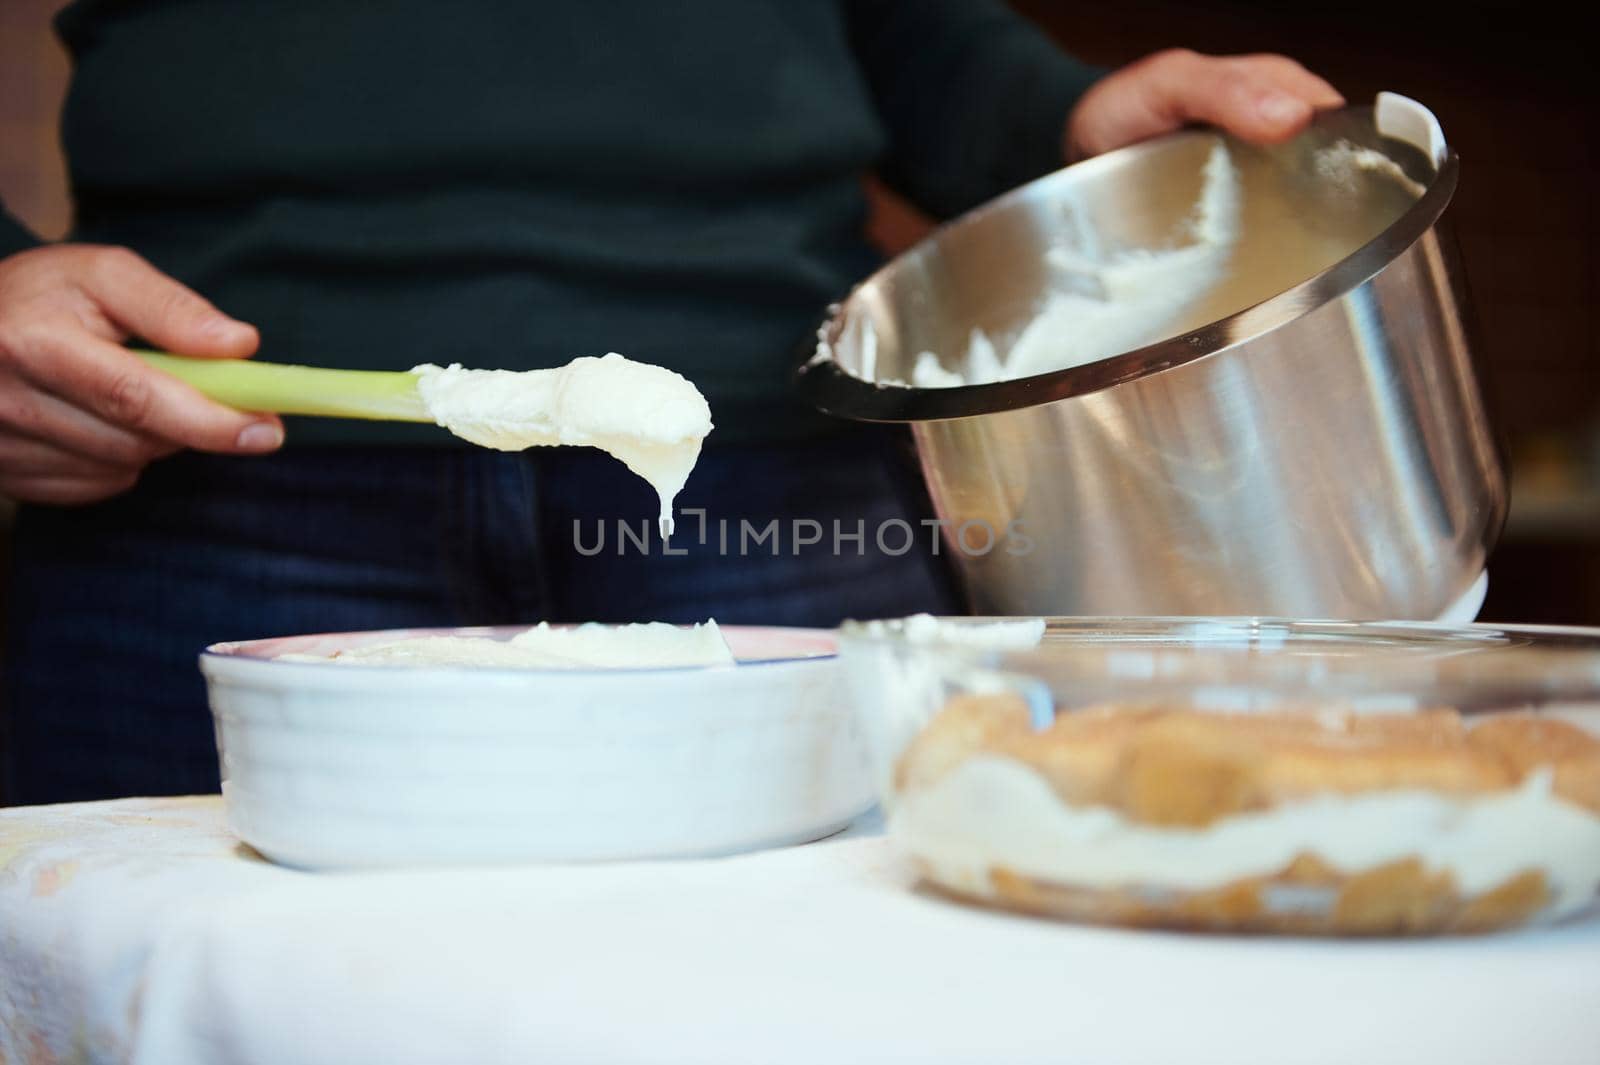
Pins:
x,y
1311,442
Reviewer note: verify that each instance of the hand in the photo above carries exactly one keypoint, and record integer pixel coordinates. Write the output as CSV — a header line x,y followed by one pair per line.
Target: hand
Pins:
x,y
1262,98
80,415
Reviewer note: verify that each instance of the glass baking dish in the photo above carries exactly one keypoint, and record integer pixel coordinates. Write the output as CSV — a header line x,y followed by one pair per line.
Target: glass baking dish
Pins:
x,y
1240,774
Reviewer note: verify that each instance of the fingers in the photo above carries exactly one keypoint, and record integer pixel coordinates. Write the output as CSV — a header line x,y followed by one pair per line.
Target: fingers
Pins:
x,y
118,389
80,415
1261,98
66,491
149,304
1295,79
62,311
34,471
115,386
23,456
27,412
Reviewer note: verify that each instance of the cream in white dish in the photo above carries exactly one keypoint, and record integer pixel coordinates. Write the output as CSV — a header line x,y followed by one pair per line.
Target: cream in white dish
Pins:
x,y
991,811
651,645
651,419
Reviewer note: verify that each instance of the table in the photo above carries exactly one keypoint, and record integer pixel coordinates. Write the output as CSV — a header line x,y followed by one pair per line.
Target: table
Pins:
x,y
141,931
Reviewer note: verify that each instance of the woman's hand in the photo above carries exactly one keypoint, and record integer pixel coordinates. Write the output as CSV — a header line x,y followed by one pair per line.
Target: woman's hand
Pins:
x,y
80,416
1263,98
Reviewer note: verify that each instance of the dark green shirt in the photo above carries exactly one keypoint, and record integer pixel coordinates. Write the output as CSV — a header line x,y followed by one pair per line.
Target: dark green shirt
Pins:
x,y
509,183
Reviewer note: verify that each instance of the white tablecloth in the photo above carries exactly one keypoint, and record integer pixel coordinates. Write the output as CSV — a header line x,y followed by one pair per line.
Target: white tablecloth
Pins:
x,y
140,931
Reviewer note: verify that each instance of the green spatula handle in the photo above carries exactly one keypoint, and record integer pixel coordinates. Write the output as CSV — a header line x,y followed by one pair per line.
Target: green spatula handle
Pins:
x,y
245,384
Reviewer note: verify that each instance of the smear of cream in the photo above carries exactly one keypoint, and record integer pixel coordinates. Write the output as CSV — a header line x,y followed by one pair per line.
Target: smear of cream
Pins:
x,y
1342,163
1108,300
1117,300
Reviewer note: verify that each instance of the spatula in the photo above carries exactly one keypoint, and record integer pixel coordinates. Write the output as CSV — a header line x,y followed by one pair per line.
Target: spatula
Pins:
x,y
378,395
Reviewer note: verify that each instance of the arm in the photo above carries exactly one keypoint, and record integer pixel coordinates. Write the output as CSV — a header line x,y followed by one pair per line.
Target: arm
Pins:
x,y
975,99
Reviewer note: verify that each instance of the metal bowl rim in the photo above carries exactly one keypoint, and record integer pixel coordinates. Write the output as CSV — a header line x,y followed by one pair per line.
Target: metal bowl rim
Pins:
x,y
825,384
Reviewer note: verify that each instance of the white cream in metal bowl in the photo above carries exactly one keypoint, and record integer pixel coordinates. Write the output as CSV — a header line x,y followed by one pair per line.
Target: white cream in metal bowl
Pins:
x,y
328,765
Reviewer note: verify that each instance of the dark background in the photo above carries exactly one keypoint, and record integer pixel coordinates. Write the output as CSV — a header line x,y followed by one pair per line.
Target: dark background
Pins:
x,y
1513,89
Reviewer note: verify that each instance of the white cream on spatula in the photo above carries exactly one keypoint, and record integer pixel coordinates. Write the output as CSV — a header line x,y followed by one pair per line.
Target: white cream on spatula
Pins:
x,y
650,418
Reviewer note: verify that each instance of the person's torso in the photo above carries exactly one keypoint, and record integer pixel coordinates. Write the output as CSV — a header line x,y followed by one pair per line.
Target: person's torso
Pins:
x,y
494,182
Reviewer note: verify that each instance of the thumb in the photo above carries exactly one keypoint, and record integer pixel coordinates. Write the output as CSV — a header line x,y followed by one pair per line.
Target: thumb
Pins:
x,y
149,304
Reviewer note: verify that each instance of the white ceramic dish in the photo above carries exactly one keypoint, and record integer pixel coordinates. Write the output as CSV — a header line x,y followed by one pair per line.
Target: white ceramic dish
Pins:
x,y
337,766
